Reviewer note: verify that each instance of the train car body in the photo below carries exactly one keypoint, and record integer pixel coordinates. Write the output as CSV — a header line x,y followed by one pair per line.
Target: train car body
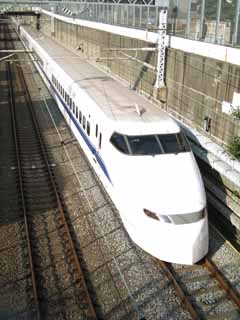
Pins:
x,y
139,153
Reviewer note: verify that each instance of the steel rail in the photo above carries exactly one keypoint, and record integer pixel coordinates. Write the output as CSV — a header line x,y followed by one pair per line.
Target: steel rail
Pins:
x,y
91,310
213,270
180,292
26,227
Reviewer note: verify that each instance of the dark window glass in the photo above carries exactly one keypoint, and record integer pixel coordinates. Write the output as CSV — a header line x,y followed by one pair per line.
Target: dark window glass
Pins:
x,y
96,132
76,111
183,142
100,141
84,122
174,143
88,128
80,116
169,143
70,103
150,144
119,142
144,145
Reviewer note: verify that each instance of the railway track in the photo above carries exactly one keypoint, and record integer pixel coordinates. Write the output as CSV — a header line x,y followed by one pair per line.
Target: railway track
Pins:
x,y
57,289
13,273
203,290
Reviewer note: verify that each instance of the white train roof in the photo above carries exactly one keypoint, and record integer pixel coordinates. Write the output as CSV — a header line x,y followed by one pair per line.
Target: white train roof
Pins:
x,y
129,111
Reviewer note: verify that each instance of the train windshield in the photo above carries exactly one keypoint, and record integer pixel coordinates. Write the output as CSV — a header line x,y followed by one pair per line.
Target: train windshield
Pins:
x,y
150,144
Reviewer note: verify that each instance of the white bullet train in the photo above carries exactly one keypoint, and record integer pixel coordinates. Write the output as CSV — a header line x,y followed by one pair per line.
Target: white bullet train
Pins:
x,y
139,152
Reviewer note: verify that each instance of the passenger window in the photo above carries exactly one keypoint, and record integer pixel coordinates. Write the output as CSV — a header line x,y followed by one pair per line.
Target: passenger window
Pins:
x,y
80,116
70,103
100,141
76,111
88,128
84,122
96,132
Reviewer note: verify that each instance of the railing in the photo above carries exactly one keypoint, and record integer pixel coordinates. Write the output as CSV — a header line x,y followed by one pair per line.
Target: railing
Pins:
x,y
215,21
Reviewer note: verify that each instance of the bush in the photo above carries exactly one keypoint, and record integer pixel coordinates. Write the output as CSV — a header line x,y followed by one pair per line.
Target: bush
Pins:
x,y
236,113
234,147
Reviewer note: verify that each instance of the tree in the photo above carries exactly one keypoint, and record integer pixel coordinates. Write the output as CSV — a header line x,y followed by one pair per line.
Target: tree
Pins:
x,y
227,12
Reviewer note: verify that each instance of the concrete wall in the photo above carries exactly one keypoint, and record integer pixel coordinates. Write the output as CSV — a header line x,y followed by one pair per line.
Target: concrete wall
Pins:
x,y
197,87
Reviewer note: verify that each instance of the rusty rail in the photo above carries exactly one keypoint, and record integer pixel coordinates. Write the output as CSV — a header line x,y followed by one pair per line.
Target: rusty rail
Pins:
x,y
184,296
213,270
180,292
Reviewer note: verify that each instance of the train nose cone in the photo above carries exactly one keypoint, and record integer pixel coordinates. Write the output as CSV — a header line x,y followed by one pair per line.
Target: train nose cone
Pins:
x,y
171,186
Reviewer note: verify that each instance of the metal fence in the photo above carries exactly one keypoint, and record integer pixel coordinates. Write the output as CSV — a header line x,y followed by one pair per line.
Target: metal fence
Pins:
x,y
215,21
